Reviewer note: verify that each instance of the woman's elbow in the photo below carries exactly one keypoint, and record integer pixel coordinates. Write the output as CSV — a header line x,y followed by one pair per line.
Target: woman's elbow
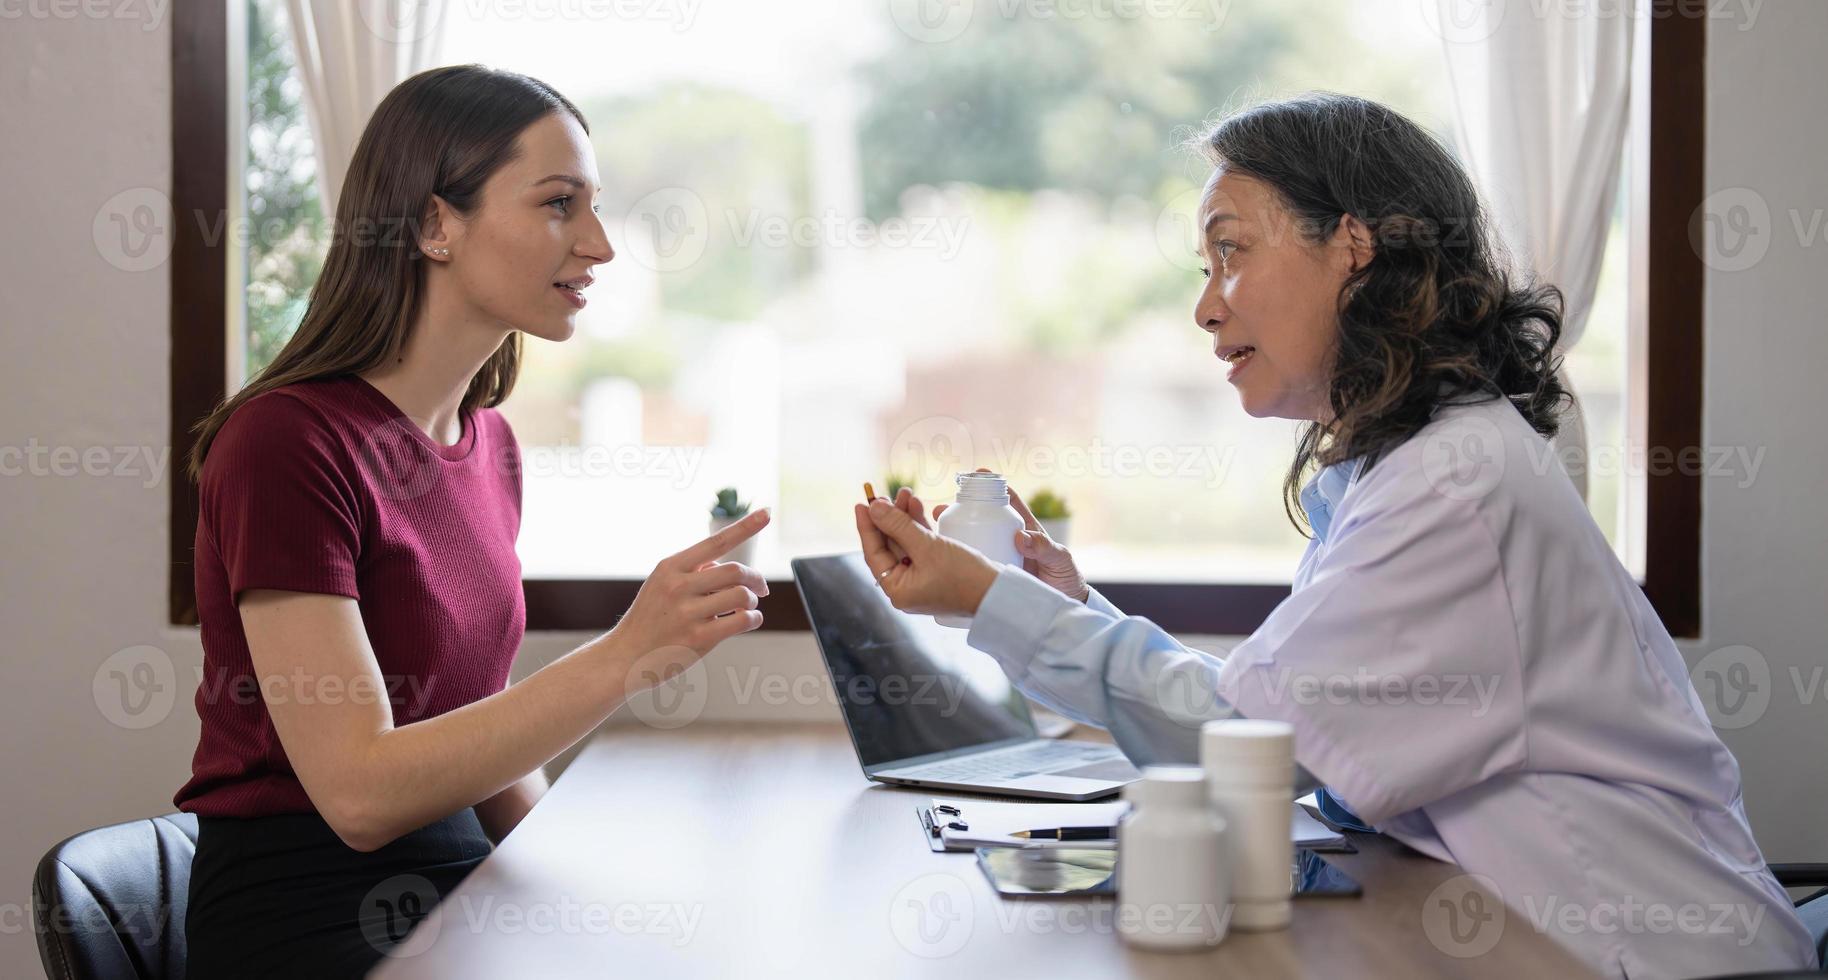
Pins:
x,y
357,823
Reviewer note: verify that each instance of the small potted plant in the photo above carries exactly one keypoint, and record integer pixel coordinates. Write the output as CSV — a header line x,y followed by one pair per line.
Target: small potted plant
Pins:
x,y
727,510
1050,509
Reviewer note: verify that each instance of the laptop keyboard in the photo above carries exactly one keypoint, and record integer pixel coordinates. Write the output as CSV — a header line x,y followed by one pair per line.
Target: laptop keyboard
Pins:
x,y
1011,763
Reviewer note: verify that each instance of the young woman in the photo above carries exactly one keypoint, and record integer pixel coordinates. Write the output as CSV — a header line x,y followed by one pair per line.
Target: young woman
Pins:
x,y
357,582
1467,666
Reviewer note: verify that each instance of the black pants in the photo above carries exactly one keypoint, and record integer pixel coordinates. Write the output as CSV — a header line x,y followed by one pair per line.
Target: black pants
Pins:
x,y
285,897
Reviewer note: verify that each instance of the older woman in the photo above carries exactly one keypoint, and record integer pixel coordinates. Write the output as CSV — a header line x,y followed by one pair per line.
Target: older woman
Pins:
x,y
1466,664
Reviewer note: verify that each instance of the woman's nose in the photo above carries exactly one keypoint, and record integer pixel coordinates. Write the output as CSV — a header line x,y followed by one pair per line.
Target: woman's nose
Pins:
x,y
595,246
1209,313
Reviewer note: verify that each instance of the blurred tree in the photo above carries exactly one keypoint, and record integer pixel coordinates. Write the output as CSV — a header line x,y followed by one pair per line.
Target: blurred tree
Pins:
x,y
285,249
1028,98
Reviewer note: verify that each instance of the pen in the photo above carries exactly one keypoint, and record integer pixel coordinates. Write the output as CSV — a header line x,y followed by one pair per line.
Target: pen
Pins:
x,y
1068,833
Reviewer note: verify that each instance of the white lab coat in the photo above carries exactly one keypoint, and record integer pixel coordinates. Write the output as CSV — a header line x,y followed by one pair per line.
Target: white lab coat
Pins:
x,y
1468,666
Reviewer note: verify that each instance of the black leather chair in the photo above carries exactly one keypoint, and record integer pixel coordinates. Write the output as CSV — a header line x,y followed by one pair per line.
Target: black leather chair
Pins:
x,y
109,904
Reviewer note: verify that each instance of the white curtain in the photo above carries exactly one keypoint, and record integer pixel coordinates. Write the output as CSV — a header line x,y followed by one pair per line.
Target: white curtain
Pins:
x,y
1543,95
351,53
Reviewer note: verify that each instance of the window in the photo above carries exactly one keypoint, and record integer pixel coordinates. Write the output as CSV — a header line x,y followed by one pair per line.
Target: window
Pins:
x,y
869,242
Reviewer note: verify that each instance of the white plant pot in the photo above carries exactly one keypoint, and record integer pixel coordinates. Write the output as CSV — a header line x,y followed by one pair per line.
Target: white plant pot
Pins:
x,y
1058,528
743,553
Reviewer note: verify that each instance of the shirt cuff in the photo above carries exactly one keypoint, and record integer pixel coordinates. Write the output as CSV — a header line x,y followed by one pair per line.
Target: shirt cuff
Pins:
x,y
1013,619
1096,601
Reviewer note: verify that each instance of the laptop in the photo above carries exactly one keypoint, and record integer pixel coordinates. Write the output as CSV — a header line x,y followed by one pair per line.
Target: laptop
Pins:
x,y
925,709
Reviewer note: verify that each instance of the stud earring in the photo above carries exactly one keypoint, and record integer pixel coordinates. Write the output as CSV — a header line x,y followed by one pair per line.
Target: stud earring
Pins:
x,y
440,252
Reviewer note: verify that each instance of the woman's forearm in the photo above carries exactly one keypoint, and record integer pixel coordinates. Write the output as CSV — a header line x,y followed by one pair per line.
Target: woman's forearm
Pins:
x,y
501,813
404,778
1122,674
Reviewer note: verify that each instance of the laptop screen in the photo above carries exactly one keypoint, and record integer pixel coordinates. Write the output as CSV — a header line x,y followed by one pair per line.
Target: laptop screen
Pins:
x,y
908,686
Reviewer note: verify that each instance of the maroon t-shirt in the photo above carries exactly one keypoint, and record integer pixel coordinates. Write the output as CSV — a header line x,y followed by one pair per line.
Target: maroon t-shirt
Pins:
x,y
325,486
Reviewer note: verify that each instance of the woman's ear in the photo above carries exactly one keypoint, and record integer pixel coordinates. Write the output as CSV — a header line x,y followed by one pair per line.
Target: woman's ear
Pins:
x,y
1355,237
438,227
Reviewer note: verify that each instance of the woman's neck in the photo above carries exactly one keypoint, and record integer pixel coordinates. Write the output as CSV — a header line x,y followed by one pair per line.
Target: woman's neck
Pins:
x,y
427,378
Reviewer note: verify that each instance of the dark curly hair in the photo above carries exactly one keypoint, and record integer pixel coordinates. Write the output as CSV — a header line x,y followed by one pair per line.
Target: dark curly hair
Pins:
x,y
1435,316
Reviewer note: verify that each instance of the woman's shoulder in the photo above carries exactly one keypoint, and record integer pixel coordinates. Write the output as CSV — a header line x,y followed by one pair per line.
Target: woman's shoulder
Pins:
x,y
308,418
1478,453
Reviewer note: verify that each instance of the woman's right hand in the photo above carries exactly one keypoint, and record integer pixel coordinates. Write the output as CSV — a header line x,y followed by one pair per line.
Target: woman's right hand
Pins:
x,y
1042,556
691,603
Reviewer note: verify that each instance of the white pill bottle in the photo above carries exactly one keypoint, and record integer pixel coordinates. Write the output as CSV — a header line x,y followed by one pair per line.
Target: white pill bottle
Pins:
x,y
1250,778
981,517
1173,872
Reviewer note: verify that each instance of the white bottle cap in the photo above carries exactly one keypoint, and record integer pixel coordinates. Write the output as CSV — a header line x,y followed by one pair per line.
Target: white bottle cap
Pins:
x,y
1251,742
1173,785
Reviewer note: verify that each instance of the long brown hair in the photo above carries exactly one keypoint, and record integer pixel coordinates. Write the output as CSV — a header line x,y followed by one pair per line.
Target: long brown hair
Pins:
x,y
1434,317
442,132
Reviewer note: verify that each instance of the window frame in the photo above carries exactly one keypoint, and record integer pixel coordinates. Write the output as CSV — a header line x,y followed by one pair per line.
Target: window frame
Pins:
x,y
1668,189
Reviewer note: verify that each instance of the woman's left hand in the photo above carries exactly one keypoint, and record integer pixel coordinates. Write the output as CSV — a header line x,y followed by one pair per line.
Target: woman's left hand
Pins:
x,y
921,571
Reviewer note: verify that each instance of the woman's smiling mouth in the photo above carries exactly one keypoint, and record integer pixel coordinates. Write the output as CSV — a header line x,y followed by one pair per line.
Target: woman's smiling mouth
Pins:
x,y
1236,355
573,289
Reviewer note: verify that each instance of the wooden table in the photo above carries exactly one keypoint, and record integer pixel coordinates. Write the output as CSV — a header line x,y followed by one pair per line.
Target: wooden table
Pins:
x,y
761,850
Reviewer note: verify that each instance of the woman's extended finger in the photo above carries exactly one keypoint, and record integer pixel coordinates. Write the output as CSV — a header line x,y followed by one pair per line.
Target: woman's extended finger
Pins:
x,y
876,553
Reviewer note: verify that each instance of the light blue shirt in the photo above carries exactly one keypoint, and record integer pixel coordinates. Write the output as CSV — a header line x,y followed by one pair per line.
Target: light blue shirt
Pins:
x,y
1466,664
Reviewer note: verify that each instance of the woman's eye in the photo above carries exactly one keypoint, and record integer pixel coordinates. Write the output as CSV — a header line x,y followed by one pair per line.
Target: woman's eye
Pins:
x,y
562,203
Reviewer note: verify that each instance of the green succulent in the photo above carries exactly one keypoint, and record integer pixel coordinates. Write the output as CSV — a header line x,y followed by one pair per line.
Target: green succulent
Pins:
x,y
728,505
1047,505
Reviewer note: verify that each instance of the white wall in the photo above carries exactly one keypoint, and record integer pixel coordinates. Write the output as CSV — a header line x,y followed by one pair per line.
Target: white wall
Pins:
x,y
85,106
1765,546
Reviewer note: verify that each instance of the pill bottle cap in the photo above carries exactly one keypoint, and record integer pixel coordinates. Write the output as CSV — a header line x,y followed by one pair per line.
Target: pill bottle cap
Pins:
x,y
1172,785
1253,742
